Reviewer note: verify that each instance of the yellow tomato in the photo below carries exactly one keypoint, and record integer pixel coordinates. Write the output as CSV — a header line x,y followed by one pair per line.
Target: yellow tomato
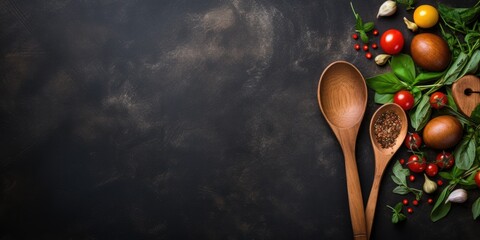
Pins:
x,y
425,16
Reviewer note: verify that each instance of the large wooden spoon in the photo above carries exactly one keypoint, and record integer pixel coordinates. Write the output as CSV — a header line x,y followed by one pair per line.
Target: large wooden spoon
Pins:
x,y
382,156
342,97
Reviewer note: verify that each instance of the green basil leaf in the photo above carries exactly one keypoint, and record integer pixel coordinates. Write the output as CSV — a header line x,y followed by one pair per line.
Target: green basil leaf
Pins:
x,y
456,68
421,115
427,77
397,180
363,36
440,209
451,101
472,65
382,98
395,218
445,175
465,153
476,208
417,95
402,190
475,116
385,83
403,67
368,26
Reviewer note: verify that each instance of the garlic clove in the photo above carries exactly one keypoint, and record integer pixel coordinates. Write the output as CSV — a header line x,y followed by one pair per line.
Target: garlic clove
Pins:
x,y
410,25
381,59
387,8
429,186
457,196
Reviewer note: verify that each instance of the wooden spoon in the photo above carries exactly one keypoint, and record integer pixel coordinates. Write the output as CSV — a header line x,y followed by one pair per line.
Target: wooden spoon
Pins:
x,y
466,93
342,97
382,156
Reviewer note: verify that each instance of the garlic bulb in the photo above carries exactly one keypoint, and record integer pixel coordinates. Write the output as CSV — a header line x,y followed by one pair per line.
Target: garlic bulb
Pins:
x,y
388,8
429,186
410,25
381,59
457,196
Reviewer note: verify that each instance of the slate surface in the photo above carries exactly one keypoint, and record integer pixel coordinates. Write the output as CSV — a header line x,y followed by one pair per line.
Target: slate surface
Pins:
x,y
184,120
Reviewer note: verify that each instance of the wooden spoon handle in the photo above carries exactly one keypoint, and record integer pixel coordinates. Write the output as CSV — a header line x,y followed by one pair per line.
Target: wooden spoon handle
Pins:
x,y
372,203
355,200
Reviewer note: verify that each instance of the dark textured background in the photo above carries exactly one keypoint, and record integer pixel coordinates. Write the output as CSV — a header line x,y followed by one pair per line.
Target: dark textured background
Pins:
x,y
184,120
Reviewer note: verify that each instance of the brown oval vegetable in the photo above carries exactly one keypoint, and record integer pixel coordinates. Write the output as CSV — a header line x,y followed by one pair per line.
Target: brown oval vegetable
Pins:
x,y
442,132
430,52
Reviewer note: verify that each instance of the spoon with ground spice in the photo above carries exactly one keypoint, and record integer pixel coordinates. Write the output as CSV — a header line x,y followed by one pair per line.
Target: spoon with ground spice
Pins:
x,y
388,129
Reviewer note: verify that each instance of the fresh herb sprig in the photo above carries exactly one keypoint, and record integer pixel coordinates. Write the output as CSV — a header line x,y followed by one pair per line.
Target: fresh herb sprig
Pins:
x,y
407,3
397,215
400,177
361,27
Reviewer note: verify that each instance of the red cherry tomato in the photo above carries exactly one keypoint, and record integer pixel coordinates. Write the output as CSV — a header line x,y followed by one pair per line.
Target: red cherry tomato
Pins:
x,y
374,46
401,161
375,32
392,41
365,47
356,46
416,163
415,202
445,160
404,98
439,182
430,201
355,36
438,100
410,210
413,141
477,178
431,170
368,55
411,178
405,202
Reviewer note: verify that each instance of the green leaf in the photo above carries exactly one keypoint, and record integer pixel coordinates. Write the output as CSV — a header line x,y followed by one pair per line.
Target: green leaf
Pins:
x,y
417,95
421,115
440,209
400,172
455,69
427,77
472,65
475,116
451,101
402,190
403,67
476,208
397,180
385,83
383,98
465,153
368,26
363,36
445,175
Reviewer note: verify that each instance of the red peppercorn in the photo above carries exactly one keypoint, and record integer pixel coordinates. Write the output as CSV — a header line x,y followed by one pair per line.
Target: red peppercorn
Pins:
x,y
410,210
374,46
405,202
375,32
411,178
356,46
439,182
415,202
368,55
355,36
430,201
401,161
365,47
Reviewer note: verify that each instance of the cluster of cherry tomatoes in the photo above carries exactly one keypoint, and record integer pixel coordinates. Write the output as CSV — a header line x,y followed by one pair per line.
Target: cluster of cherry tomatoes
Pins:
x,y
365,46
